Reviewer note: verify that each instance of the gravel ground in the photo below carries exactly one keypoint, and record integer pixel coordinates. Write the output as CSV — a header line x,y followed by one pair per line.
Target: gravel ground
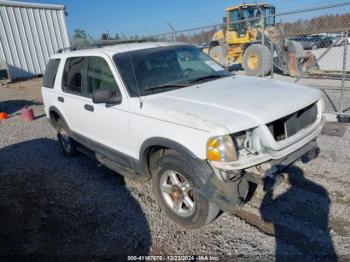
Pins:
x,y
53,205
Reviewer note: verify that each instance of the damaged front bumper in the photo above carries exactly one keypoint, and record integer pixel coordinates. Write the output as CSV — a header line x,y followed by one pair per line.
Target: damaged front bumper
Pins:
x,y
228,188
256,173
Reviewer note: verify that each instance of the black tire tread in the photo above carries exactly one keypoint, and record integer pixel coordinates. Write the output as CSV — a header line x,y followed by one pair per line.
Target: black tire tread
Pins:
x,y
264,54
60,124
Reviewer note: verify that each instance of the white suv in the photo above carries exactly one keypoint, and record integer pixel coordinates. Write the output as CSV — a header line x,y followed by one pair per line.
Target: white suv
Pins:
x,y
169,113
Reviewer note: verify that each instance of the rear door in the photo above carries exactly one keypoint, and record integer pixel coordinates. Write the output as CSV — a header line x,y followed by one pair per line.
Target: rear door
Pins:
x,y
74,95
49,82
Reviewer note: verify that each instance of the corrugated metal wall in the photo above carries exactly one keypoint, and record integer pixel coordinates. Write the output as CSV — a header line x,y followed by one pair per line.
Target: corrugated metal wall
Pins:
x,y
29,34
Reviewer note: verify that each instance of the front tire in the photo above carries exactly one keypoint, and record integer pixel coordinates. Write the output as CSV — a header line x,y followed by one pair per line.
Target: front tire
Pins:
x,y
67,144
173,179
257,60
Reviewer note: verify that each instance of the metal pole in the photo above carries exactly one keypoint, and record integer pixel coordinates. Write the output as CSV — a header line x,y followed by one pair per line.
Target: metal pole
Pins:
x,y
173,29
272,52
346,35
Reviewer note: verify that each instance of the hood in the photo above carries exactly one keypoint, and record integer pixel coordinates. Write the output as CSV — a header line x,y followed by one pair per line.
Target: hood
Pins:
x,y
234,103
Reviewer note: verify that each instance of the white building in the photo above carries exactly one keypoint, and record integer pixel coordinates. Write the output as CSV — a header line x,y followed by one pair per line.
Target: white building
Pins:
x,y
29,34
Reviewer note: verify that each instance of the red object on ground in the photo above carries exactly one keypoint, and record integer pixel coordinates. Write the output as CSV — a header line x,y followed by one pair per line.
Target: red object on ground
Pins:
x,y
27,114
3,116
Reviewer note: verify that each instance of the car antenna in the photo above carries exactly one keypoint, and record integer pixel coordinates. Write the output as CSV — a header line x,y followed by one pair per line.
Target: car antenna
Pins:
x,y
134,73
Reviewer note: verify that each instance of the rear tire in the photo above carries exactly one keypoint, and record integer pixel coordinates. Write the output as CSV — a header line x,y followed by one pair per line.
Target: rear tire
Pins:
x,y
173,178
257,60
67,144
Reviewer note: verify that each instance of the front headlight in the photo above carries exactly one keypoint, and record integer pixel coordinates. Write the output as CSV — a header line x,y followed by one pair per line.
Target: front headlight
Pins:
x,y
221,148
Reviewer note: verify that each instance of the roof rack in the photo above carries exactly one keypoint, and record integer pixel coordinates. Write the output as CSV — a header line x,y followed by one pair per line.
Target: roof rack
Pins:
x,y
102,43
61,50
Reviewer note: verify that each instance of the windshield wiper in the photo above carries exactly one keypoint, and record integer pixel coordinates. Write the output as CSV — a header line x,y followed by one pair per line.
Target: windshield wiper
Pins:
x,y
165,86
208,77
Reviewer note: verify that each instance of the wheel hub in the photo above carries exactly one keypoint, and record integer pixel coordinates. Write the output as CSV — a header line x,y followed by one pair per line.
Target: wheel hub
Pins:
x,y
253,61
177,193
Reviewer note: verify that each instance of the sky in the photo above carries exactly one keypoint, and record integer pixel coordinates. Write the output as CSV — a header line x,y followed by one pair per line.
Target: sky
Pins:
x,y
149,17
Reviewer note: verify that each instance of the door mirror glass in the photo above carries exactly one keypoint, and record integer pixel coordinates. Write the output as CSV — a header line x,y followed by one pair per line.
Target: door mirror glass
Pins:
x,y
106,97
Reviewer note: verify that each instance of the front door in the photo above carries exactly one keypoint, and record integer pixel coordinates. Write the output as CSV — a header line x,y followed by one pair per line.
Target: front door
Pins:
x,y
107,125
104,127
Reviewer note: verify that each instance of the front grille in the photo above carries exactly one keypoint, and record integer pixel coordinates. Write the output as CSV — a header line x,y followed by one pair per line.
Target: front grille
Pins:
x,y
290,125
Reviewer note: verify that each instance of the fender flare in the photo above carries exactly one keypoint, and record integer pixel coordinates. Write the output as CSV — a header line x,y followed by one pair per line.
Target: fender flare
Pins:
x,y
58,112
161,142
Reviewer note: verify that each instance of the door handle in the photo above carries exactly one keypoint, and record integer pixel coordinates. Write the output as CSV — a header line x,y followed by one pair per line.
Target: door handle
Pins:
x,y
88,107
60,99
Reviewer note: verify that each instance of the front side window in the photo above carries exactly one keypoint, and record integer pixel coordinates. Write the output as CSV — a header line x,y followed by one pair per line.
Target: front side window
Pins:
x,y
73,76
99,76
233,17
166,68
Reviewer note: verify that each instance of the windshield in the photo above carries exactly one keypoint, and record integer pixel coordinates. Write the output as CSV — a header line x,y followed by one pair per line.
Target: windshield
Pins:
x,y
165,68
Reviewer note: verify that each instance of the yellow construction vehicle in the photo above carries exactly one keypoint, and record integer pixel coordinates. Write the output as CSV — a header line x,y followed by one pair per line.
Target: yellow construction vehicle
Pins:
x,y
250,38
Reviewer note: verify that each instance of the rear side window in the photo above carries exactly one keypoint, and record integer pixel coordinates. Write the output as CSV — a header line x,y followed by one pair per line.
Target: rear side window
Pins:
x,y
73,76
50,73
100,76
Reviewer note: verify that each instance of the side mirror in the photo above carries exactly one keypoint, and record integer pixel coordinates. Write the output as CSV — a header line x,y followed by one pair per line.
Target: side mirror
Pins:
x,y
106,97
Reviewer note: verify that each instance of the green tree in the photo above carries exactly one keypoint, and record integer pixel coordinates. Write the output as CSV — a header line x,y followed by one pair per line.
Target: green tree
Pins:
x,y
79,33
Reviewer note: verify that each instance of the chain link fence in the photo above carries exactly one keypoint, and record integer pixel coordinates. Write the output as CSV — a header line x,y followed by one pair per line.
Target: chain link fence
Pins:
x,y
307,46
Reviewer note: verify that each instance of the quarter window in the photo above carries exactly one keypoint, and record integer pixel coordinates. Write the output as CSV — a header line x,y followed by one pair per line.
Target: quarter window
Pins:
x,y
50,73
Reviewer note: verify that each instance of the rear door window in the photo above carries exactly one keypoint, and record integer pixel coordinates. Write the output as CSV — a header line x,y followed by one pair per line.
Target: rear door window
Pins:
x,y
50,73
74,75
100,76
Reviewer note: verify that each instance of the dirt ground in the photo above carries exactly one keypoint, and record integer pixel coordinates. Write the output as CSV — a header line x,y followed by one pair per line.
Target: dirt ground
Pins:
x,y
75,209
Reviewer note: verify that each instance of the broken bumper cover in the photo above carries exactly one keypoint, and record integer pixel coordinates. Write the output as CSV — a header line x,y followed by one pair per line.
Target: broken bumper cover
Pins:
x,y
229,194
269,155
271,166
270,169
226,195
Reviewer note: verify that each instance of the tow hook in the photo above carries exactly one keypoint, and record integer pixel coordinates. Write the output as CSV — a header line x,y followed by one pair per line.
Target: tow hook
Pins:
x,y
311,155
